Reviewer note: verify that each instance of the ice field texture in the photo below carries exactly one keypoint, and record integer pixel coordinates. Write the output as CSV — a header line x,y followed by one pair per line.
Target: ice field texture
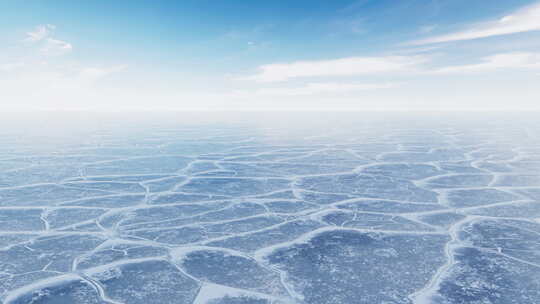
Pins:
x,y
392,211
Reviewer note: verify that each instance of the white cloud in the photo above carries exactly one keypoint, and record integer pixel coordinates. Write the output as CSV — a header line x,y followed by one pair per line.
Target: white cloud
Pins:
x,y
56,47
92,74
42,36
418,50
322,88
338,67
30,75
524,20
41,32
499,61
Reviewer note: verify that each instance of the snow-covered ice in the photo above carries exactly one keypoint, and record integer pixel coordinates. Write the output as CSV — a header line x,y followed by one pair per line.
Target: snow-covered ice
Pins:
x,y
362,210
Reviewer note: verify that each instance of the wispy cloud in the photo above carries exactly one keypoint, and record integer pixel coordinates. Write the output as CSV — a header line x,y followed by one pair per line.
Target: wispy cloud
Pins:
x,y
92,74
323,88
524,20
56,47
337,67
32,76
40,33
42,36
499,61
417,50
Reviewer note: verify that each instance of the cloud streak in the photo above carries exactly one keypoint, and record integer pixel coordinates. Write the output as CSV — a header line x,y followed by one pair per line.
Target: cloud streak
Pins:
x,y
518,60
40,33
42,36
323,88
92,74
56,47
524,20
352,66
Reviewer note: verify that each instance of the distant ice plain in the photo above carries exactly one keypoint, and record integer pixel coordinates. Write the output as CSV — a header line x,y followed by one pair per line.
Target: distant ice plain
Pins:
x,y
322,208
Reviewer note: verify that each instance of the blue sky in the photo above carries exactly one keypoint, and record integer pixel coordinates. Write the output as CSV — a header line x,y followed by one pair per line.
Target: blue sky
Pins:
x,y
279,55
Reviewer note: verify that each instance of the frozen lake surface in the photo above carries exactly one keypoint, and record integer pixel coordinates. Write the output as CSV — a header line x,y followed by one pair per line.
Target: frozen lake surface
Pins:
x,y
324,210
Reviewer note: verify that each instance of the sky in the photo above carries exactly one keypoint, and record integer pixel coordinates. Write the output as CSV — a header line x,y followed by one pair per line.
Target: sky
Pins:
x,y
317,55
